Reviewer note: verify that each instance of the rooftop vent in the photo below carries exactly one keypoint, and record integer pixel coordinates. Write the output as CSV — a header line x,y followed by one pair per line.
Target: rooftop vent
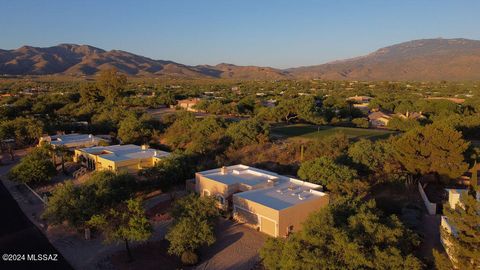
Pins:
x,y
292,187
224,170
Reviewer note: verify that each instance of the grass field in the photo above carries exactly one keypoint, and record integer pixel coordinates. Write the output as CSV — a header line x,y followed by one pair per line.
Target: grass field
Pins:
x,y
310,132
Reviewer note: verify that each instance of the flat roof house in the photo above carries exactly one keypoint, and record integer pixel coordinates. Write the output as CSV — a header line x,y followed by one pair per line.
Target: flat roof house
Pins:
x,y
73,140
188,104
119,158
272,203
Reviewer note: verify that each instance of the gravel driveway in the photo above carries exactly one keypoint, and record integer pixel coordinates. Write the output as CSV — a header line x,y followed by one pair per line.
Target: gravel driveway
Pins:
x,y
236,247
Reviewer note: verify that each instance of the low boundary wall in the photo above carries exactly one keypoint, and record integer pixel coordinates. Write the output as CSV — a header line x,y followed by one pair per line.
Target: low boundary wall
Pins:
x,y
431,207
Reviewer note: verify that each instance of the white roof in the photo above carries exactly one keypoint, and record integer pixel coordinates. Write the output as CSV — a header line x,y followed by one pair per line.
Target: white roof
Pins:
x,y
240,174
267,188
124,152
283,194
72,138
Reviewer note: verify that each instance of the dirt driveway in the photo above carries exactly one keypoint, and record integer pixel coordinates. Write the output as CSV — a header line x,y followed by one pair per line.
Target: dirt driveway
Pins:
x,y
236,247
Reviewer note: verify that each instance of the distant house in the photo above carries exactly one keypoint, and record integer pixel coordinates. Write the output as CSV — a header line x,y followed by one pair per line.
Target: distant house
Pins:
x,y
188,104
73,140
362,107
119,158
274,204
454,100
411,115
6,95
269,103
360,99
379,119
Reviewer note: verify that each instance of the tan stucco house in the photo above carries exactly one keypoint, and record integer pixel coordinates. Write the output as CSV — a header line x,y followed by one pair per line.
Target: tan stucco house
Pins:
x,y
119,158
188,104
379,119
274,204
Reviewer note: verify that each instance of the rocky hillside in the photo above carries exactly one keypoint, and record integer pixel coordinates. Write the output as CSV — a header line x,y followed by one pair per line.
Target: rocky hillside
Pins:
x,y
426,59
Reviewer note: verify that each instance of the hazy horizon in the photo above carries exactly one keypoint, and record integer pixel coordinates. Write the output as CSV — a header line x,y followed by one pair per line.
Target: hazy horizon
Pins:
x,y
278,34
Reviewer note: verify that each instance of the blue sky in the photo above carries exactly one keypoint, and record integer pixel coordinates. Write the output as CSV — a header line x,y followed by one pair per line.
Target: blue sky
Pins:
x,y
245,32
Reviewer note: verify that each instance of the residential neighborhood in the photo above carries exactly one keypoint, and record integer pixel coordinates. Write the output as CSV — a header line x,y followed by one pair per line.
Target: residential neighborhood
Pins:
x,y
240,135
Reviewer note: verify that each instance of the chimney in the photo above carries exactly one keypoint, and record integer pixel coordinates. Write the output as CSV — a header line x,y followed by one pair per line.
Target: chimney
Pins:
x,y
144,147
224,170
155,153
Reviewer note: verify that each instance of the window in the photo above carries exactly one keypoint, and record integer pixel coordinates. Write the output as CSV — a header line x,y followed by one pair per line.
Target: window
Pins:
x,y
220,199
289,230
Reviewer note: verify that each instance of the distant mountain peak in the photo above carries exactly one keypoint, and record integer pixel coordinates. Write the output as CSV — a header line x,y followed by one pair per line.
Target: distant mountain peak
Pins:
x,y
422,59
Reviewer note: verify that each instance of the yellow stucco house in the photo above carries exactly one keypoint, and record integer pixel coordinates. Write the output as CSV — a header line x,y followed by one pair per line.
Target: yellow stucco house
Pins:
x,y
274,204
119,158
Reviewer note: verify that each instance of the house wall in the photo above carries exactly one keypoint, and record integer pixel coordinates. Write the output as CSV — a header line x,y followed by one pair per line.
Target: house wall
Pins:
x,y
129,166
214,187
268,215
297,214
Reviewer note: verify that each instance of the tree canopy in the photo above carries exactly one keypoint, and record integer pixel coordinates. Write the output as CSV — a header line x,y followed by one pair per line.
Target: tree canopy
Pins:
x,y
193,224
37,166
126,222
435,149
346,236
111,83
77,204
134,129
325,171
247,132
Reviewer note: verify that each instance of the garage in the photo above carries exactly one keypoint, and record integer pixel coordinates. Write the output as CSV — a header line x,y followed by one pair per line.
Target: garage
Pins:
x,y
268,226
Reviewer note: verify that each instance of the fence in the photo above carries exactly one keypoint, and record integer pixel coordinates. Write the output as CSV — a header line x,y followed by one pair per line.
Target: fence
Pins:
x,y
431,207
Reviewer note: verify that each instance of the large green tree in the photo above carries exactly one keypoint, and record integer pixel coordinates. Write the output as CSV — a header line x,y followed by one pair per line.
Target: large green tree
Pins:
x,y
346,236
111,84
125,223
76,204
133,129
193,224
247,132
437,149
37,166
339,179
333,146
325,171
171,171
376,158
23,130
302,107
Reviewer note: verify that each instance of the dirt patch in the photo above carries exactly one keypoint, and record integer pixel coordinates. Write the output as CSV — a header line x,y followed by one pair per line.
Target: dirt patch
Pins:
x,y
151,255
160,212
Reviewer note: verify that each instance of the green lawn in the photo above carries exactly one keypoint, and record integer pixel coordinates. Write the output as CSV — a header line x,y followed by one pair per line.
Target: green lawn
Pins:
x,y
309,132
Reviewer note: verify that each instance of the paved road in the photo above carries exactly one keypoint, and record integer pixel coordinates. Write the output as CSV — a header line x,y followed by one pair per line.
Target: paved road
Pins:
x,y
18,235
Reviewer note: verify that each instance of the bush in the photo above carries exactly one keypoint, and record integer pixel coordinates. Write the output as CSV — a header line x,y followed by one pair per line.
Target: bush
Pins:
x,y
361,122
35,167
189,258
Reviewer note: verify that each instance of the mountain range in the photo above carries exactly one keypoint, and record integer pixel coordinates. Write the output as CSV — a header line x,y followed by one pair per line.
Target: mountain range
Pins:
x,y
422,60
